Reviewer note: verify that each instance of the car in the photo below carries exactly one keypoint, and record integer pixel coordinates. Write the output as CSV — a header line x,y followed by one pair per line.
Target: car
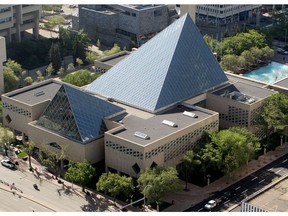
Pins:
x,y
282,51
210,205
7,163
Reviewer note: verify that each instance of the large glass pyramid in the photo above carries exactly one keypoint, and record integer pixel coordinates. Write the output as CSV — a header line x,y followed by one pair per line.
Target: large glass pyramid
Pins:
x,y
76,114
173,66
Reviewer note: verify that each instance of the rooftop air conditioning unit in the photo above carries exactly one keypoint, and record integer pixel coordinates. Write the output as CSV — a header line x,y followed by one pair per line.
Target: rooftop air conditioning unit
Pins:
x,y
141,135
169,123
190,114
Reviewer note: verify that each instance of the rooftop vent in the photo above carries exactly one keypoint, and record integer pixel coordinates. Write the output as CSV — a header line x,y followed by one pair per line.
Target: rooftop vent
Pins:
x,y
190,114
169,123
141,135
39,93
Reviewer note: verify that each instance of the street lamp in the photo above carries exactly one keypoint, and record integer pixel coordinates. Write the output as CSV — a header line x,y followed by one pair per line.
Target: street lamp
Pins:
x,y
265,146
208,179
281,141
144,190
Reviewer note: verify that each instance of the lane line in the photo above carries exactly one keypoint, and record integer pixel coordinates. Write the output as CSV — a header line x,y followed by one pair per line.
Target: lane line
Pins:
x,y
227,201
245,191
254,178
279,171
200,209
238,188
270,169
284,161
261,181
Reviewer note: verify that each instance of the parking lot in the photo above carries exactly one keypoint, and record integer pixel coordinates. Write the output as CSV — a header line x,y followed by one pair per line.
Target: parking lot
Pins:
x,y
274,199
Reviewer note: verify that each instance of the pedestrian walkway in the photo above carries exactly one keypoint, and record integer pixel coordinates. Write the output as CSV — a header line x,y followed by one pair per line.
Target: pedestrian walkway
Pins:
x,y
186,199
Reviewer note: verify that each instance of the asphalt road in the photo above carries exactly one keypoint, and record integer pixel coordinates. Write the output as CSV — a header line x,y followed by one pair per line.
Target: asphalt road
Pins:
x,y
248,185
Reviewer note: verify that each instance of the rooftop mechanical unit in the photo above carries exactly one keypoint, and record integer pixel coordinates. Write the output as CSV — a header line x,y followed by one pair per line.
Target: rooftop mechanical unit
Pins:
x,y
190,114
169,123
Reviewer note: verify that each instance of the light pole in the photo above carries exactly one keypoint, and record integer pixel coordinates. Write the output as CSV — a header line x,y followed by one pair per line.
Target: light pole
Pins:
x,y
265,146
281,141
144,191
208,179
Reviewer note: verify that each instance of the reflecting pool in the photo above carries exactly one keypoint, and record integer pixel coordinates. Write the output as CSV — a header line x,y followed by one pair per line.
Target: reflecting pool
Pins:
x,y
270,73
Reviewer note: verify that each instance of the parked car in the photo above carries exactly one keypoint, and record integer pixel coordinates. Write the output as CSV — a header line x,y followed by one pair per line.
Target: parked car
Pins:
x,y
7,163
282,51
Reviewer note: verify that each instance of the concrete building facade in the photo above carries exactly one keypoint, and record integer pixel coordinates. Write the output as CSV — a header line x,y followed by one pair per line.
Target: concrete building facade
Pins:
x,y
3,58
127,25
15,19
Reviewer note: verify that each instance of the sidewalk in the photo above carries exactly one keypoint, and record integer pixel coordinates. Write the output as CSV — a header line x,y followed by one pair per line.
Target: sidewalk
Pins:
x,y
186,199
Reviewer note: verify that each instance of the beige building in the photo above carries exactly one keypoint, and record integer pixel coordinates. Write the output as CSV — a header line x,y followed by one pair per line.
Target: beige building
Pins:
x,y
15,19
2,60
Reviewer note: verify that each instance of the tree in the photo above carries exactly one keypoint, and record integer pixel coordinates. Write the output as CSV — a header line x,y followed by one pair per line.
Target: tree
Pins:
x,y
190,161
28,80
65,38
11,81
49,70
92,56
80,78
229,62
40,76
274,114
70,67
115,184
80,44
98,44
160,180
51,157
6,138
54,57
115,49
80,172
28,149
79,62
14,66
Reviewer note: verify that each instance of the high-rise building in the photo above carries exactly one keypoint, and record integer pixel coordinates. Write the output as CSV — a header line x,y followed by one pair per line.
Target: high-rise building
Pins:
x,y
15,19
219,14
2,59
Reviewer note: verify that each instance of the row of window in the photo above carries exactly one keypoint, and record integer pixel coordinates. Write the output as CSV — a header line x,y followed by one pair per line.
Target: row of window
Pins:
x,y
129,13
6,19
171,149
16,109
100,70
236,115
3,10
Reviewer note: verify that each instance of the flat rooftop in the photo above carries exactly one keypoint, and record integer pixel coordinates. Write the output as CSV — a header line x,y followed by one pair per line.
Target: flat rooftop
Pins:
x,y
248,90
282,83
36,94
154,128
114,59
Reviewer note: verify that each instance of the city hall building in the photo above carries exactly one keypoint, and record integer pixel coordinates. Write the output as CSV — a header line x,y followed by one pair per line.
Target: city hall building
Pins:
x,y
145,111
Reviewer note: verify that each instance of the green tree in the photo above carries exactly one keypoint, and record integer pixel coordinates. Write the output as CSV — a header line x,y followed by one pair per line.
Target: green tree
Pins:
x,y
115,184
98,44
80,45
190,161
155,183
11,81
92,56
80,78
54,57
28,80
115,49
14,66
6,138
40,76
49,70
65,38
28,149
79,62
51,157
70,67
80,172
274,115
229,62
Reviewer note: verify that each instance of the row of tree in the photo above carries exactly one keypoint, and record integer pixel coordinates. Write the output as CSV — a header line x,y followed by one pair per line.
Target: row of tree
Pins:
x,y
241,52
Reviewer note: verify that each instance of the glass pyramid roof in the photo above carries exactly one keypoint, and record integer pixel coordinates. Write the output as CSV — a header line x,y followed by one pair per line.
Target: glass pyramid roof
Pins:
x,y
76,114
173,66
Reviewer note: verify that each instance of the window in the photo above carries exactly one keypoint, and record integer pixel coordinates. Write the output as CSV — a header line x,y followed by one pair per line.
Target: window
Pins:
x,y
8,118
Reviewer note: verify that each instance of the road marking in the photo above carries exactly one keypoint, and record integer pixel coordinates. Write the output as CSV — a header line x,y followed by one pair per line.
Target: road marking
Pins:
x,y
227,201
254,178
271,169
238,188
284,161
245,191
200,209
279,171
261,181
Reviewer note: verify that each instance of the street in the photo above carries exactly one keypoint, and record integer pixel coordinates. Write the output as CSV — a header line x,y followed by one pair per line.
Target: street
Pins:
x,y
248,185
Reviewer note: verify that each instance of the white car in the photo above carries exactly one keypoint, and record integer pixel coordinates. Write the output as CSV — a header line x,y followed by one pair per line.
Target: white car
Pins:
x,y
7,163
210,205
